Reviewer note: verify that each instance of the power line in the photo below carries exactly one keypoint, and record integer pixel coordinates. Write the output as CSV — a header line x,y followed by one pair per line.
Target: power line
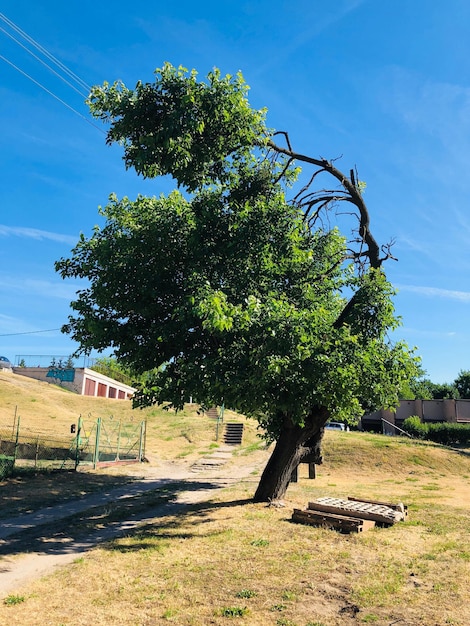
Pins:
x,y
52,94
63,68
31,332
45,52
51,69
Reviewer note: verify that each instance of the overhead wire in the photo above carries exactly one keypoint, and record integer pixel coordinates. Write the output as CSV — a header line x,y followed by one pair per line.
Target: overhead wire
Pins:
x,y
30,332
80,93
83,90
82,85
46,53
51,93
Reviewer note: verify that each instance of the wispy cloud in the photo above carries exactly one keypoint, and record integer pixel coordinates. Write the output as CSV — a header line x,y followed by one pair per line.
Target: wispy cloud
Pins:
x,y
43,289
414,244
35,233
434,334
436,115
316,27
12,326
435,292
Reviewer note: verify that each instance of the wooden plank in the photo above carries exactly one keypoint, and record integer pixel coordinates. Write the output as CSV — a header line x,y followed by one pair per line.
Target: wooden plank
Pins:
x,y
331,520
376,517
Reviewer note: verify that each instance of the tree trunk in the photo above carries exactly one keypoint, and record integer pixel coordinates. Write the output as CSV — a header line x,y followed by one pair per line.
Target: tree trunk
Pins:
x,y
295,443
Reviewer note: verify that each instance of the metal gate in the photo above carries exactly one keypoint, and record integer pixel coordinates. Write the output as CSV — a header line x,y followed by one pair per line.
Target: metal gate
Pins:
x,y
109,441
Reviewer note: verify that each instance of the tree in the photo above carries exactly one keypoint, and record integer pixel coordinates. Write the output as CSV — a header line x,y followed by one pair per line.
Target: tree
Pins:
x,y
423,388
417,387
442,391
110,366
462,384
248,295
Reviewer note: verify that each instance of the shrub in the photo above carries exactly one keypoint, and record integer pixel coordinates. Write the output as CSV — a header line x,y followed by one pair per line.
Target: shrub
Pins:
x,y
441,432
415,427
449,434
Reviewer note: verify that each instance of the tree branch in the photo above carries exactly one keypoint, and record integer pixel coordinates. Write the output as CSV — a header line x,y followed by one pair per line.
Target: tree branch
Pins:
x,y
353,195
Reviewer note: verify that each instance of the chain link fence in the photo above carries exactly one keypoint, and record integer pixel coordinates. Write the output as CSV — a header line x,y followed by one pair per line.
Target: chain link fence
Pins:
x,y
96,441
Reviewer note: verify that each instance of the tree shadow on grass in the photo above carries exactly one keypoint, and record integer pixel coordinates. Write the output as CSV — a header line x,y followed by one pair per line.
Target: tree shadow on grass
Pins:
x,y
30,490
127,516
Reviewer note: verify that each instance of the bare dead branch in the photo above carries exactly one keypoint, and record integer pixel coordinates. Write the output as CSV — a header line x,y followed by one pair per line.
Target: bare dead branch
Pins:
x,y
352,195
285,135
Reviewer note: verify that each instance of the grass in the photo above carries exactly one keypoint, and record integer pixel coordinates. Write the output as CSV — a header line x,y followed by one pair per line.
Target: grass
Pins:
x,y
228,560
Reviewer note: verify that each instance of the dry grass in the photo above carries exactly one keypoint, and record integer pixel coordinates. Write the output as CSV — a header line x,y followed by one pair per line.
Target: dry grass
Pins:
x,y
228,560
51,410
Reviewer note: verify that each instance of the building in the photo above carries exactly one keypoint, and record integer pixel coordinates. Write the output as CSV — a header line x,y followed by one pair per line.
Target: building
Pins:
x,y
456,411
81,380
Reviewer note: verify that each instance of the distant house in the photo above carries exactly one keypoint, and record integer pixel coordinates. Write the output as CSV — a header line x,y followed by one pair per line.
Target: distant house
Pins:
x,y
81,380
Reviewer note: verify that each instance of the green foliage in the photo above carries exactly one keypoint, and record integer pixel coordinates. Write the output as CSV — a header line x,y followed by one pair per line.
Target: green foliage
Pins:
x,y
462,384
246,593
181,126
449,434
415,427
234,611
424,389
243,300
12,600
442,432
110,366
441,391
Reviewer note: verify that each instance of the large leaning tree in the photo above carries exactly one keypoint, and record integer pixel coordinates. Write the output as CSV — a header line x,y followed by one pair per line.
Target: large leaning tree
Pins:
x,y
237,281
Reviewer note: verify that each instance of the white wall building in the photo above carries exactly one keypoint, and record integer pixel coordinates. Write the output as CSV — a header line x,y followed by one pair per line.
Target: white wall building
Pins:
x,y
81,380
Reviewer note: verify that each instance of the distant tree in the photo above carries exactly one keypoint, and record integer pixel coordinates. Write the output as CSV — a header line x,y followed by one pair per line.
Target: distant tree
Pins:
x,y
419,388
251,297
442,391
462,384
112,367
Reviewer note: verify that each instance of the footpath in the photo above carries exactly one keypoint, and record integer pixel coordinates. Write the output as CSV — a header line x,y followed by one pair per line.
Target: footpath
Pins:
x,y
19,568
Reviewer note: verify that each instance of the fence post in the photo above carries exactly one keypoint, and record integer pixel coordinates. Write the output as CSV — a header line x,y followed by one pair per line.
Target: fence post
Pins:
x,y
17,438
220,419
14,421
78,442
118,441
96,455
142,439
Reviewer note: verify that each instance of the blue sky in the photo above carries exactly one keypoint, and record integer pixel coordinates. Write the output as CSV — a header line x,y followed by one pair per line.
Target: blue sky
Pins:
x,y
385,84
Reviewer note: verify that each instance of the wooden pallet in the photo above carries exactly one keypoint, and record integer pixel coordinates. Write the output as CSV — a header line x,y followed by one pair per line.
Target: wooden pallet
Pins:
x,y
379,512
396,506
343,523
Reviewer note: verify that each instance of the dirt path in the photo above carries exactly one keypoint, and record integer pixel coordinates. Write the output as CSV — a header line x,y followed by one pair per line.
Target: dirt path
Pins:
x,y
17,569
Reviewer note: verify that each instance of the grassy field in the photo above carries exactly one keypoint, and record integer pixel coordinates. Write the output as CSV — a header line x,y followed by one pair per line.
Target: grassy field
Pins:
x,y
228,560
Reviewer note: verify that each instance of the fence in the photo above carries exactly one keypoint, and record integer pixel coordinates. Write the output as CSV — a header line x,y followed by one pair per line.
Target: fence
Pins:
x,y
97,442
109,441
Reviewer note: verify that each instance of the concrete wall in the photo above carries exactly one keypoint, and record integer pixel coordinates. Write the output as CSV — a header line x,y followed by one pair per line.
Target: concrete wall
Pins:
x,y
428,410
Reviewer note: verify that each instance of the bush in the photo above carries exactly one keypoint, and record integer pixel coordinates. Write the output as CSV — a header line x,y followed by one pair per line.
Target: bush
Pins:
x,y
449,434
442,432
415,427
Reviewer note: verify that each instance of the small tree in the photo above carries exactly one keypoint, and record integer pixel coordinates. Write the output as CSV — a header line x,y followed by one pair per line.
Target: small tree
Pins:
x,y
443,391
110,366
462,384
249,296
